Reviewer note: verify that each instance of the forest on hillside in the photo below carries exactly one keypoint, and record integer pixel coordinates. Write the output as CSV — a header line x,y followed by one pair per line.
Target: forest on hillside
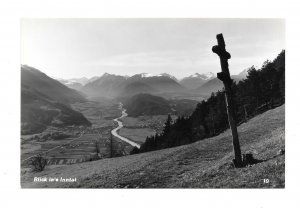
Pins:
x,y
263,89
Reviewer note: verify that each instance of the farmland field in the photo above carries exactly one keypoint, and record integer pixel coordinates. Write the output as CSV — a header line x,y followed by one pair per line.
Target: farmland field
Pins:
x,y
155,122
139,128
75,144
138,135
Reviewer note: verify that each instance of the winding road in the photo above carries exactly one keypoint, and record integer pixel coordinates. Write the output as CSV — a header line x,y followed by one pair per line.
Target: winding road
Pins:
x,y
120,125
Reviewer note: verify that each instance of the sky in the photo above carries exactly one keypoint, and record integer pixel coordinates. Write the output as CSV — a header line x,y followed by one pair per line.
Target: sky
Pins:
x,y
73,48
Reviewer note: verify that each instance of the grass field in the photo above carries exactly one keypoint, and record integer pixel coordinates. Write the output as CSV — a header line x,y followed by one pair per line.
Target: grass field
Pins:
x,y
138,128
100,113
203,164
155,122
138,135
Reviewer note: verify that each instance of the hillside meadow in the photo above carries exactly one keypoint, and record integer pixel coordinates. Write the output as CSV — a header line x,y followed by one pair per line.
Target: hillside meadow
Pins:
x,y
203,164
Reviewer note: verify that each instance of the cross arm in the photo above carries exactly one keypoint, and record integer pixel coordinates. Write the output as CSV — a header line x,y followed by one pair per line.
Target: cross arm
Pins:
x,y
220,48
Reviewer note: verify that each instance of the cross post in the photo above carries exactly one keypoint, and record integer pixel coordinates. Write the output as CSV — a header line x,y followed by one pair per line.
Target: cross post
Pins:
x,y
224,76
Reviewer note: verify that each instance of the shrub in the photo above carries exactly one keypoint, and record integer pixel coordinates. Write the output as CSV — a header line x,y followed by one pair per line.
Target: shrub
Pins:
x,y
38,163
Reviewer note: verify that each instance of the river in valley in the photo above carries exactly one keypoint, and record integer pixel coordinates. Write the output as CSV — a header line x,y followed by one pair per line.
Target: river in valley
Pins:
x,y
120,125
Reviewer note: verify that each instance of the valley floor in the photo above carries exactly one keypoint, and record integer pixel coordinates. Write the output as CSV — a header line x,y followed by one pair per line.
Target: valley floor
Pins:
x,y
203,164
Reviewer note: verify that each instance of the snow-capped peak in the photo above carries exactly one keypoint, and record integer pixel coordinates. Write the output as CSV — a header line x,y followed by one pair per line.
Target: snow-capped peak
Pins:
x,y
205,76
146,75
195,75
167,75
209,75
106,74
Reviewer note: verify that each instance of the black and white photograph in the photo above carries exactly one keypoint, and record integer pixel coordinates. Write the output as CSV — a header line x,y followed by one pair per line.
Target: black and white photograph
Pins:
x,y
147,103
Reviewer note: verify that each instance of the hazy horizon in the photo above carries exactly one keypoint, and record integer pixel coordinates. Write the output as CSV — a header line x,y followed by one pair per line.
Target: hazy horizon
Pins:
x,y
74,48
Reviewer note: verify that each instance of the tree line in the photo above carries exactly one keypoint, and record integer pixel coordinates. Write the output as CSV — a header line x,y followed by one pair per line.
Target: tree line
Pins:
x,y
263,89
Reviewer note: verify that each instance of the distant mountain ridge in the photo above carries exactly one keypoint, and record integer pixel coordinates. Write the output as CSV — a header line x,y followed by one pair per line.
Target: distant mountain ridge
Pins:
x,y
136,88
107,85
170,76
196,80
82,80
160,83
214,85
77,83
205,76
52,88
111,85
46,102
146,104
115,85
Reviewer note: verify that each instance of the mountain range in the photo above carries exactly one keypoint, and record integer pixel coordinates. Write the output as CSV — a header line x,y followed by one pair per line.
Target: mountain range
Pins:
x,y
214,84
196,80
46,102
52,88
77,83
110,85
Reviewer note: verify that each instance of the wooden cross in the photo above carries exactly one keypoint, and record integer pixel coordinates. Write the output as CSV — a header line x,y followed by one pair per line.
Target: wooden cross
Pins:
x,y
224,76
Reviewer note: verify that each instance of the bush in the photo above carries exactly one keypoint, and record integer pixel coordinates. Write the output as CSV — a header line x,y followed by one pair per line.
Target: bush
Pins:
x,y
135,150
38,163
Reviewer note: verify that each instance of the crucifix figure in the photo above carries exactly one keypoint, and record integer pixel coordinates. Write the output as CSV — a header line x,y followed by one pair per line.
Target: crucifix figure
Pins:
x,y
224,76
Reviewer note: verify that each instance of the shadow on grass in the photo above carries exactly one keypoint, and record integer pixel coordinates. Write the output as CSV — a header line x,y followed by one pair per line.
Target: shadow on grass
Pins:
x,y
248,160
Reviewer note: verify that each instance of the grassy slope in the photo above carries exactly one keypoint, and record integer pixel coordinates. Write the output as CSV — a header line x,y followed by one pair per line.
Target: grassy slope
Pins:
x,y
204,164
